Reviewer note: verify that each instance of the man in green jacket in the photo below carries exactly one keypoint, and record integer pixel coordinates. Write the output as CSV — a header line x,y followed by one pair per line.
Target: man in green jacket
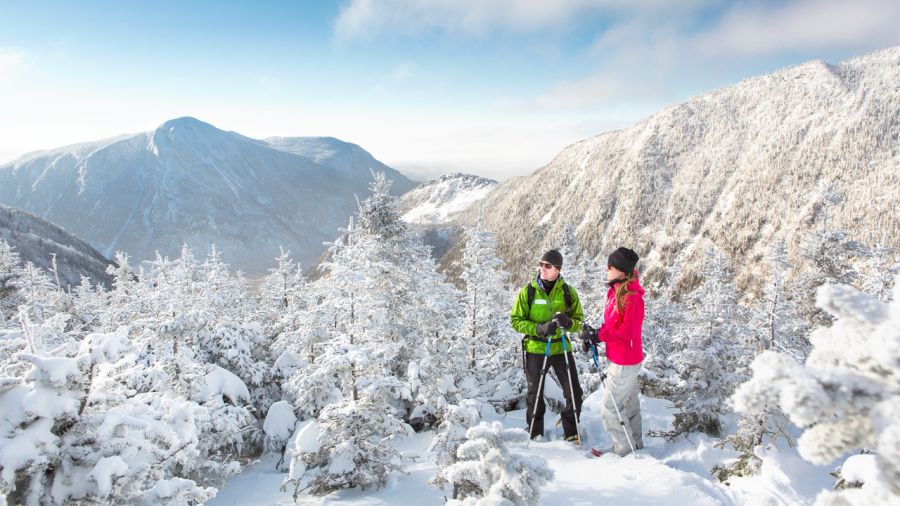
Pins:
x,y
535,315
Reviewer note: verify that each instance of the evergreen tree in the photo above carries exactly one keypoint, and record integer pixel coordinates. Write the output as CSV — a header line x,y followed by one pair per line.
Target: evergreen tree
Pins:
x,y
81,433
10,274
880,270
845,394
450,435
489,473
38,292
713,341
492,347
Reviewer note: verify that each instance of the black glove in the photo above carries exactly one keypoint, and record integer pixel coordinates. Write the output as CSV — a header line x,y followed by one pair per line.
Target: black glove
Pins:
x,y
588,334
547,328
586,346
563,320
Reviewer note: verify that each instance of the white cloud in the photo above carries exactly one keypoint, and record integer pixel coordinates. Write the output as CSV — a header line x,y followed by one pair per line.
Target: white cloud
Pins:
x,y
12,61
654,58
363,18
804,25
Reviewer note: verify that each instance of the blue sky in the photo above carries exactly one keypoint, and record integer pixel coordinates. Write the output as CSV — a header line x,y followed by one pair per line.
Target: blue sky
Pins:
x,y
492,87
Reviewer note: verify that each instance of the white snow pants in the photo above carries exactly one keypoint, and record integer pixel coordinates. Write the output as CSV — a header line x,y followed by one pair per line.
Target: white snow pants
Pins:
x,y
622,388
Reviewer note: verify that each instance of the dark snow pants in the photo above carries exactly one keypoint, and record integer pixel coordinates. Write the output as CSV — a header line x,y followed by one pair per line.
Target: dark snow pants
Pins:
x,y
533,363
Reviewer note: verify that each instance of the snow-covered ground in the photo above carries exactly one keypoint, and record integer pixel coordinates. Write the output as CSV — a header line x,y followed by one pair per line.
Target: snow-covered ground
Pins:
x,y
662,473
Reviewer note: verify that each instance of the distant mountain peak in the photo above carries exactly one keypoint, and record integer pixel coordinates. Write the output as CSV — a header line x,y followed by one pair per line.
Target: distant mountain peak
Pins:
x,y
188,182
434,201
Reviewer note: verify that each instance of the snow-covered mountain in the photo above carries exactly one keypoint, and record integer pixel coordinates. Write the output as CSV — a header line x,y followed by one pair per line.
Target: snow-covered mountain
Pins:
x,y
188,182
36,241
743,167
434,201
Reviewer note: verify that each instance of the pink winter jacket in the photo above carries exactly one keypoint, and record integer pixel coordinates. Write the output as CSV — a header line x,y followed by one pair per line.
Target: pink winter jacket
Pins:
x,y
622,335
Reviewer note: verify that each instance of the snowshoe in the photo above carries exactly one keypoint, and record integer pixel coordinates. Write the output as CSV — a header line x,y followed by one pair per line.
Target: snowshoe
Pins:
x,y
599,452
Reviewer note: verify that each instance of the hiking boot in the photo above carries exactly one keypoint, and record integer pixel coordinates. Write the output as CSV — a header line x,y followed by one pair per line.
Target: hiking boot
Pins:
x,y
573,439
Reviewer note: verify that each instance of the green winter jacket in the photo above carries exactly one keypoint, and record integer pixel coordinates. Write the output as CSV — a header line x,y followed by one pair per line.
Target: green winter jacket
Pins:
x,y
543,309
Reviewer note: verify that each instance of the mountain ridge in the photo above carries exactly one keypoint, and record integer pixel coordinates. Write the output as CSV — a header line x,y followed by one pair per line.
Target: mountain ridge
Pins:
x,y
188,182
741,167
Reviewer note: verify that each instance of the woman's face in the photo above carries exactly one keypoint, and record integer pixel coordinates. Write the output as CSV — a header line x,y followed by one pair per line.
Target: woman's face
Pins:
x,y
612,273
549,272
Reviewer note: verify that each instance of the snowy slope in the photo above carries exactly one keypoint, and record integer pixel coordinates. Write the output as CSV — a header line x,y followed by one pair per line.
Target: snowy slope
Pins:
x,y
345,157
743,167
189,182
663,473
36,241
434,201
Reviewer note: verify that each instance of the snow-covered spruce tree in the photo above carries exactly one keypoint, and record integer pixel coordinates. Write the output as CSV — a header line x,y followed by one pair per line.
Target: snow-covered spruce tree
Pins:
x,y
847,394
493,350
174,319
880,270
825,255
235,341
10,273
450,435
664,317
436,373
778,327
356,446
776,319
713,341
39,293
381,295
489,473
281,297
89,303
77,432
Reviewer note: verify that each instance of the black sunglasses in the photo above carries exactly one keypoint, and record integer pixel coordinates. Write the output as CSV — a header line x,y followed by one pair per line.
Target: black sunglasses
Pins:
x,y
546,265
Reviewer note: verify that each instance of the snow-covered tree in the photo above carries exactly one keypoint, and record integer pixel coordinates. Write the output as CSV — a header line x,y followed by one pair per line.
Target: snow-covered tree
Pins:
x,y
664,317
281,298
489,473
846,395
450,435
776,319
38,292
880,270
355,445
10,273
76,431
492,347
713,340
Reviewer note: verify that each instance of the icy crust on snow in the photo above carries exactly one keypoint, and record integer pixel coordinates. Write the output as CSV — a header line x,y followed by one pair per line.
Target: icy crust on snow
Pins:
x,y
223,382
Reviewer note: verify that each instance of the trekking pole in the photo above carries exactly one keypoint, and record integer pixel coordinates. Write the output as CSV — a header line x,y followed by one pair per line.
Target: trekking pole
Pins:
x,y
571,389
540,392
616,406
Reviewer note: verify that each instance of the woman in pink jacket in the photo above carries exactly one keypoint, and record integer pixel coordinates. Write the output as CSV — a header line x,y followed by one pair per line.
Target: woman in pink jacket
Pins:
x,y
621,331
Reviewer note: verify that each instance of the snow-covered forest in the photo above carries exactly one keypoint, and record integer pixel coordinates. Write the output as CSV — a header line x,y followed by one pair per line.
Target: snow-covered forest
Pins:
x,y
167,387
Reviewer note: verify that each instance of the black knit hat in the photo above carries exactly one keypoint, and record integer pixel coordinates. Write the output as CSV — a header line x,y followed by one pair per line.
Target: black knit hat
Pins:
x,y
553,257
623,259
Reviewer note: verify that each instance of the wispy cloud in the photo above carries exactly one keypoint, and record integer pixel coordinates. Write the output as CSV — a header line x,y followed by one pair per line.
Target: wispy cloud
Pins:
x,y
366,18
803,25
653,57
12,61
401,72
